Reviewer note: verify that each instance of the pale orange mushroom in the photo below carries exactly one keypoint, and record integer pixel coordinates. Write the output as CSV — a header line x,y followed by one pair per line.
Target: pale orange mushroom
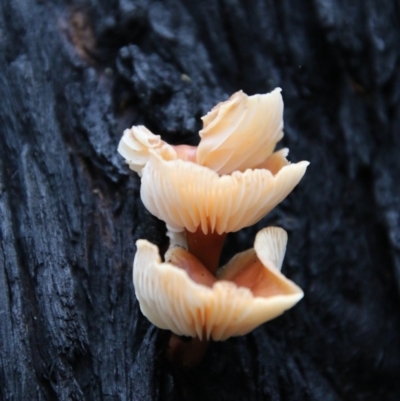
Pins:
x,y
230,181
242,132
187,300
189,196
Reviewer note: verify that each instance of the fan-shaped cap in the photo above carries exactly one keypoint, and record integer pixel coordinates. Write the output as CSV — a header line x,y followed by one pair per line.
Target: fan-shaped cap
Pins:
x,y
241,132
135,146
187,196
255,293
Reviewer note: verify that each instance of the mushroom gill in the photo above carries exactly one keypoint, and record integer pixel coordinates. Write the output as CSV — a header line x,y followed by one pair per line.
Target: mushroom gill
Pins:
x,y
188,196
185,299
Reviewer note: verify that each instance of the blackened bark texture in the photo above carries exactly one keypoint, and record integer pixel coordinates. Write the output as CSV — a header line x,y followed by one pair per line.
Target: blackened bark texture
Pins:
x,y
74,74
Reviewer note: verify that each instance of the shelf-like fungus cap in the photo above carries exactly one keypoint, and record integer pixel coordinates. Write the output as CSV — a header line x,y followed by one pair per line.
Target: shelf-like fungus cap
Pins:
x,y
135,146
250,291
242,132
187,196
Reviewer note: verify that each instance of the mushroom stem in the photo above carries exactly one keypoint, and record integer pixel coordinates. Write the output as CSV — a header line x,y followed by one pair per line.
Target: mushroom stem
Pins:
x,y
186,351
206,247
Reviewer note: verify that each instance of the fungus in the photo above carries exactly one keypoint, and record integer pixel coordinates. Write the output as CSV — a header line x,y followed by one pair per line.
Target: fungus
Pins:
x,y
230,181
182,296
242,132
217,203
138,142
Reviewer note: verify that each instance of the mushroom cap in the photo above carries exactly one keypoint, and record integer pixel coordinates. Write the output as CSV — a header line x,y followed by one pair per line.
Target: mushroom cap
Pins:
x,y
187,195
135,146
242,132
257,293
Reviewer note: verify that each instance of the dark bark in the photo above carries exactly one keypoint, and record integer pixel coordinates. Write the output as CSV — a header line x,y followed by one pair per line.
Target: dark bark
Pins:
x,y
74,74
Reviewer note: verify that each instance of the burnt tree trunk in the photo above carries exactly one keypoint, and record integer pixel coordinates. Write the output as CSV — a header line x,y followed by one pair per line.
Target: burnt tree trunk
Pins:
x,y
74,74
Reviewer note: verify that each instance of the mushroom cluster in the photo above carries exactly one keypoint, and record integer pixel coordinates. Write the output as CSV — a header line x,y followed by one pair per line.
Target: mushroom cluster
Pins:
x,y
229,181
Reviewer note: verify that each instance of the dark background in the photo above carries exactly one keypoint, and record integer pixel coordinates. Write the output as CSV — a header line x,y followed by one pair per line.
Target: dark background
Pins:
x,y
74,74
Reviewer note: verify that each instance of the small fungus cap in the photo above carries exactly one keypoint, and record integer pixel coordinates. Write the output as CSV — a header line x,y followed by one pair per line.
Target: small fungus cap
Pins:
x,y
135,146
242,132
250,291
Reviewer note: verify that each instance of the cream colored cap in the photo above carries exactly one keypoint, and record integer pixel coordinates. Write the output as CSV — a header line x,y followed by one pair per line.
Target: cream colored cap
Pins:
x,y
186,195
257,291
241,132
135,146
